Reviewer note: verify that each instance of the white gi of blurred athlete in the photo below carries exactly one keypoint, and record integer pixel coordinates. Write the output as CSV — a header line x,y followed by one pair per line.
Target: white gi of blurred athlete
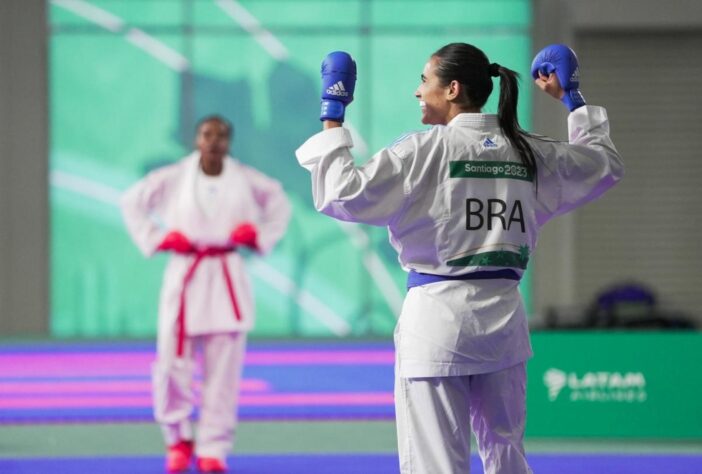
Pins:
x,y
463,203
203,209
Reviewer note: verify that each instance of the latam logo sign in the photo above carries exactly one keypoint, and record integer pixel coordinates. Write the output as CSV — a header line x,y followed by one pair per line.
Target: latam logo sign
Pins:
x,y
600,386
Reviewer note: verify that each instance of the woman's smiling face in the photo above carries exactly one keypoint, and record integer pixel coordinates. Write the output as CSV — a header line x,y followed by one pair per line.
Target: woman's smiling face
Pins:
x,y
433,97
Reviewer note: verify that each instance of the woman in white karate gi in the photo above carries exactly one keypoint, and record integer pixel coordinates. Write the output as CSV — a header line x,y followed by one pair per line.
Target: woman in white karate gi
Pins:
x,y
203,209
463,203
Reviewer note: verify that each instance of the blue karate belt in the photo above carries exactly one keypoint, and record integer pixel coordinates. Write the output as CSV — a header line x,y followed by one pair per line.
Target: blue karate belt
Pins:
x,y
419,279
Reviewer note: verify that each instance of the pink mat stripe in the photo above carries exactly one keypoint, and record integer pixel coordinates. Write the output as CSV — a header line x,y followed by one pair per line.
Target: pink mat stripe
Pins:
x,y
287,399
127,364
29,388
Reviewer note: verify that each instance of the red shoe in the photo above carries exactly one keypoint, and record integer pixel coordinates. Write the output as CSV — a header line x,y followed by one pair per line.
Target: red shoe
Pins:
x,y
179,456
211,465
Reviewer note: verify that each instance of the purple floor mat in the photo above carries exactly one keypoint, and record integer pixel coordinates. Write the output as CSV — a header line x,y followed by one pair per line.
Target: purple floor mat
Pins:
x,y
110,382
361,464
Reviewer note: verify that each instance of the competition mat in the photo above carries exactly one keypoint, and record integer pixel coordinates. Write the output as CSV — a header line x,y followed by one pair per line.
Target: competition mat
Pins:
x,y
359,464
307,407
89,382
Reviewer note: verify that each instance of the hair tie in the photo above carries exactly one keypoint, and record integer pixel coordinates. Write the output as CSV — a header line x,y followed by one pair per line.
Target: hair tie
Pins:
x,y
494,69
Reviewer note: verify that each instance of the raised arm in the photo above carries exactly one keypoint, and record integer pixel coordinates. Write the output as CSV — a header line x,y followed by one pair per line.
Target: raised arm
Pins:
x,y
574,173
371,193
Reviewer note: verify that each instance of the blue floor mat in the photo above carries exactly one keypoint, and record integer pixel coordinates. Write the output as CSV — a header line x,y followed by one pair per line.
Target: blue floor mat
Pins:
x,y
360,464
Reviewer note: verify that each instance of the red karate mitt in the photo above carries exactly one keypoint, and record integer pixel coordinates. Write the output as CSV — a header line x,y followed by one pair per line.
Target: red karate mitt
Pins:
x,y
245,234
175,241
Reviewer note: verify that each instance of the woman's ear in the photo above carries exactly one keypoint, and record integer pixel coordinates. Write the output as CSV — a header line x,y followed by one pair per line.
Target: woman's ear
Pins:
x,y
453,90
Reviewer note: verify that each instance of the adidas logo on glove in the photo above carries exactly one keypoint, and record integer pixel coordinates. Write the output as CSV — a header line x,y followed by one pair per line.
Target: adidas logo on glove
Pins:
x,y
338,89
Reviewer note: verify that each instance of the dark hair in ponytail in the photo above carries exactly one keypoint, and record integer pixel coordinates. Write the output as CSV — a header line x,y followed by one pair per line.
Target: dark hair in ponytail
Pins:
x,y
470,67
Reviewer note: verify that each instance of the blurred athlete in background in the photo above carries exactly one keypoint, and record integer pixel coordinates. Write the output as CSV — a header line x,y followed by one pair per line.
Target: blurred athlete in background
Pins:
x,y
463,203
202,210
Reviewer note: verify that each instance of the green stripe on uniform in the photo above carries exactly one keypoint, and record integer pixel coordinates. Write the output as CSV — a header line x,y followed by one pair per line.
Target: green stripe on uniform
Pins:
x,y
489,170
499,258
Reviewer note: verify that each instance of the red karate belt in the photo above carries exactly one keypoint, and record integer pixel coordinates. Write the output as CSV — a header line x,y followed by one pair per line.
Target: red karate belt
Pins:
x,y
201,253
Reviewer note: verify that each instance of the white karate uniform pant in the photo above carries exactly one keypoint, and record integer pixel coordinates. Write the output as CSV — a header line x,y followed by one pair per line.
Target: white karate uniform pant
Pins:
x,y
172,379
435,416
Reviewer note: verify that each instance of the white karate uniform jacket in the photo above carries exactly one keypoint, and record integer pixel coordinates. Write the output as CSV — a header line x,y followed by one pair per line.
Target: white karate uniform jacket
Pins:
x,y
455,200
166,200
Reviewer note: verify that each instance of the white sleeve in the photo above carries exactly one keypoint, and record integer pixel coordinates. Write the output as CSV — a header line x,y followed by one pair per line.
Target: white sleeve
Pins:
x,y
572,174
372,193
274,208
140,204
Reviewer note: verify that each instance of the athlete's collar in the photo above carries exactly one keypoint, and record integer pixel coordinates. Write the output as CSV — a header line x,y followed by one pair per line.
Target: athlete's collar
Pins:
x,y
474,120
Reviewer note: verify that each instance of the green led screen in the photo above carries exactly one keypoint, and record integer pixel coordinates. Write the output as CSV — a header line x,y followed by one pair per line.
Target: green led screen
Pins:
x,y
129,80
